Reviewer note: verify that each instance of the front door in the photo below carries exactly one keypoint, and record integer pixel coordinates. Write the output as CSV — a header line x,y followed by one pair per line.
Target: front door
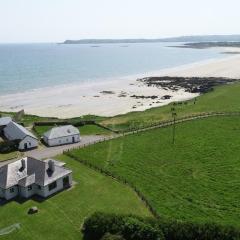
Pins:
x,y
73,139
66,181
25,146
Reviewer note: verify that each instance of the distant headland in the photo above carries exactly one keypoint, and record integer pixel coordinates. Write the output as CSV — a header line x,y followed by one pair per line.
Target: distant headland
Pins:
x,y
203,45
200,38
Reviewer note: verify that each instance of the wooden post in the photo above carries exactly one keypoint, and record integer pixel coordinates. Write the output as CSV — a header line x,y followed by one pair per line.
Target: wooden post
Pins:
x,y
174,114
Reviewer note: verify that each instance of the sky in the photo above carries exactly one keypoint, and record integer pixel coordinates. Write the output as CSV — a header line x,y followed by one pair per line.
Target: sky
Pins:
x,y
58,20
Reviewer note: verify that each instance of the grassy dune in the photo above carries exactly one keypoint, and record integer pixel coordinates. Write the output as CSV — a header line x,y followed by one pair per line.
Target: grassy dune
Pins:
x,y
224,98
196,179
61,216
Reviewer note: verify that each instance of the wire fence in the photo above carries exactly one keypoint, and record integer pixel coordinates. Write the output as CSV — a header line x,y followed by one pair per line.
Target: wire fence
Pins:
x,y
161,124
117,178
135,131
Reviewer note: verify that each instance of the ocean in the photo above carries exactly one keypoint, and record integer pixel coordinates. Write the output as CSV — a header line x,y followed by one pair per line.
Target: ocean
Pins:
x,y
31,66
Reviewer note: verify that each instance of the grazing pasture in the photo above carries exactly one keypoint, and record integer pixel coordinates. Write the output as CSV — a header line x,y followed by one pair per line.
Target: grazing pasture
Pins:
x,y
196,179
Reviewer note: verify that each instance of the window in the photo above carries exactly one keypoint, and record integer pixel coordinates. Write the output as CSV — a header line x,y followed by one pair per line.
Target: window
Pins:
x,y
30,188
52,185
39,187
11,190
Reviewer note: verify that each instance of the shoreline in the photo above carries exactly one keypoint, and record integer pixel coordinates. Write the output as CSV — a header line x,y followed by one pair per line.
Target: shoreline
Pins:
x,y
116,97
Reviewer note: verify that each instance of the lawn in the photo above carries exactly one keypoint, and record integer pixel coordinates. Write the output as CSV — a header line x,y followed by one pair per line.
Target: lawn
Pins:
x,y
61,216
224,98
7,156
196,179
84,130
93,130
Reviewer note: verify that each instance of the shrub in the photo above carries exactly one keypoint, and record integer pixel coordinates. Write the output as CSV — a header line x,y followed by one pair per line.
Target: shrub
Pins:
x,y
100,226
7,147
136,229
130,227
174,230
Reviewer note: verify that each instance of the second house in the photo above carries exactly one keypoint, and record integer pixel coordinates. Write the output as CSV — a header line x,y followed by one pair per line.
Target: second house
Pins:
x,y
61,135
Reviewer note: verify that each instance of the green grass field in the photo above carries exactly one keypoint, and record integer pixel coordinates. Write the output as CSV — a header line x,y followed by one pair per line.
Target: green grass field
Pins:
x,y
61,216
84,130
196,179
224,98
7,156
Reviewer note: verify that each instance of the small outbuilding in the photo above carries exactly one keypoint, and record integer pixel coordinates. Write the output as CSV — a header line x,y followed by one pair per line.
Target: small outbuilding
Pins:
x,y
4,121
62,135
24,138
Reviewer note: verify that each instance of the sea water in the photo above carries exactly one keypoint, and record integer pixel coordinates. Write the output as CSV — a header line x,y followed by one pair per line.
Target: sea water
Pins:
x,y
31,66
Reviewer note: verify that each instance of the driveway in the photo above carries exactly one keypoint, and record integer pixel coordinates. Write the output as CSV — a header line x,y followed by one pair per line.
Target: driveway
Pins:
x,y
49,152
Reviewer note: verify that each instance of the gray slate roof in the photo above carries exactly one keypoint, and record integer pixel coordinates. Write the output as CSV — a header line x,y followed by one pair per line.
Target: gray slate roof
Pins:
x,y
35,171
14,131
5,121
27,181
10,174
63,131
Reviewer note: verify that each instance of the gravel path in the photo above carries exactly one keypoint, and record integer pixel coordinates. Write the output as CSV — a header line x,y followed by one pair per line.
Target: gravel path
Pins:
x,y
49,152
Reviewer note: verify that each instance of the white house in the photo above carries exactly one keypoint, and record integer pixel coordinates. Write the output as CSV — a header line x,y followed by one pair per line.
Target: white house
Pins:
x,y
28,176
61,135
25,139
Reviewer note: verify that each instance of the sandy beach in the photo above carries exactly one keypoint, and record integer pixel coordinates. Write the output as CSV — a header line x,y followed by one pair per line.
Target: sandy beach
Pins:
x,y
115,97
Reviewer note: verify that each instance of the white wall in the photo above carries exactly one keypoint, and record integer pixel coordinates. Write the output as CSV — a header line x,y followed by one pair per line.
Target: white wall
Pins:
x,y
62,140
9,195
24,192
31,143
45,191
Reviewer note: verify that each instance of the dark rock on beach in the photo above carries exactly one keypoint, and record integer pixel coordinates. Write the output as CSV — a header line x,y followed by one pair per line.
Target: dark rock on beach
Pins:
x,y
107,92
165,97
144,97
189,84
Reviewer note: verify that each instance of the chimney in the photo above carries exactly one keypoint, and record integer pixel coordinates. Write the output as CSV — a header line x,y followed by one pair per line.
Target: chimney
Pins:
x,y
23,164
51,165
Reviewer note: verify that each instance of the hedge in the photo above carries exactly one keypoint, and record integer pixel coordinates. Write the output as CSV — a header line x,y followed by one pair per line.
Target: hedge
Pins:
x,y
100,226
128,227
